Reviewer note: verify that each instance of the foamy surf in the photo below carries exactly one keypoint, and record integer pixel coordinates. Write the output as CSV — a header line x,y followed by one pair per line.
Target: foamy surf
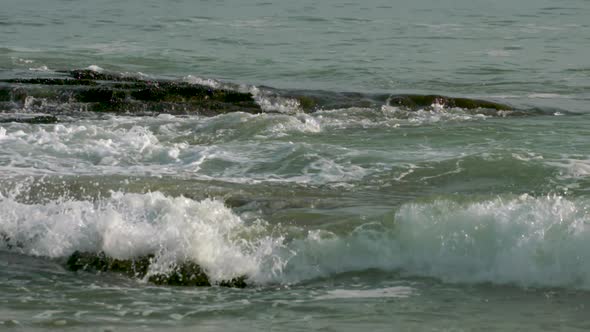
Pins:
x,y
525,241
124,226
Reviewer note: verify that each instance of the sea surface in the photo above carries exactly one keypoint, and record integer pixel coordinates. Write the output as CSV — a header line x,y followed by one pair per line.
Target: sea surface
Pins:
x,y
357,214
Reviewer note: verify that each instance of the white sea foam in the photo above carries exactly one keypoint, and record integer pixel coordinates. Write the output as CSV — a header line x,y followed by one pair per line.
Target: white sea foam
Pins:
x,y
202,81
79,148
169,145
40,68
288,124
270,102
127,225
95,68
526,241
437,112
385,117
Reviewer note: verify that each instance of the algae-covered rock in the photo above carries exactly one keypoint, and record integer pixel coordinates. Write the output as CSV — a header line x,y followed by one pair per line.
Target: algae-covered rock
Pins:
x,y
184,274
99,262
89,90
306,103
102,91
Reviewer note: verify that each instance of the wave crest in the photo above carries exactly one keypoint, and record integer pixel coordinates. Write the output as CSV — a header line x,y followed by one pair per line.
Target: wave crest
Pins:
x,y
527,241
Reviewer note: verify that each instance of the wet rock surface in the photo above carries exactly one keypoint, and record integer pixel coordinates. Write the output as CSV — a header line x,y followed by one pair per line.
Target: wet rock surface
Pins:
x,y
184,274
87,90
415,101
106,92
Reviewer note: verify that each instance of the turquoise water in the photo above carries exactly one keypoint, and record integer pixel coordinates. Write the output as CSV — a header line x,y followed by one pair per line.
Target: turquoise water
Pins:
x,y
357,214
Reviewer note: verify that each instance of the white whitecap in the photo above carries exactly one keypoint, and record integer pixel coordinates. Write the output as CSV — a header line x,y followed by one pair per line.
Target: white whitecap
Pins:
x,y
40,68
202,81
127,225
95,68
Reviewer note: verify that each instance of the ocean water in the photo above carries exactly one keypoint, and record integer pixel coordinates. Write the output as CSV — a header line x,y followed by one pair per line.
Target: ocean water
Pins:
x,y
343,206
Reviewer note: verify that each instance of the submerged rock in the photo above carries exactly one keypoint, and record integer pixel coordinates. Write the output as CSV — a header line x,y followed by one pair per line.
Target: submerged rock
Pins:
x,y
93,75
184,274
311,101
416,101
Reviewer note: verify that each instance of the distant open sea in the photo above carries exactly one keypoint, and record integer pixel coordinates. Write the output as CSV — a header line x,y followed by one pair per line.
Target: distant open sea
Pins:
x,y
363,166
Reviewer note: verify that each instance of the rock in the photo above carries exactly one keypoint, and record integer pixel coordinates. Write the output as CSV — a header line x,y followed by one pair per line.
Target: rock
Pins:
x,y
92,75
88,90
415,101
307,104
185,274
5,94
51,81
99,262
109,92
41,119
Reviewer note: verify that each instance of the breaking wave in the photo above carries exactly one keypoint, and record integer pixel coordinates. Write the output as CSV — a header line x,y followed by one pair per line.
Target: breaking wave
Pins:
x,y
525,240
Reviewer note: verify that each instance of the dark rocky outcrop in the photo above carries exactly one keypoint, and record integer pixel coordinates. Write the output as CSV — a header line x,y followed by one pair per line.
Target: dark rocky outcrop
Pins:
x,y
184,274
51,81
314,100
416,101
88,90
41,119
5,95
93,75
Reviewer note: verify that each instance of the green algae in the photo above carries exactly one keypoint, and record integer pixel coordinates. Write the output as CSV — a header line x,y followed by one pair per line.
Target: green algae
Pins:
x,y
106,92
183,274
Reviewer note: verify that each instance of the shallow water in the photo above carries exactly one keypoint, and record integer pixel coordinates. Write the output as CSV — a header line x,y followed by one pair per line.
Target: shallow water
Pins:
x,y
356,214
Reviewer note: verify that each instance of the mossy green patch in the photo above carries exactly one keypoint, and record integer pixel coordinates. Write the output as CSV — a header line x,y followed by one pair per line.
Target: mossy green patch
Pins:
x,y
183,274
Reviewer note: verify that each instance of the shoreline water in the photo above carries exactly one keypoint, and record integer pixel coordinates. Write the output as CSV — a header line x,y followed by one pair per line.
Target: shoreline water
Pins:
x,y
359,166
